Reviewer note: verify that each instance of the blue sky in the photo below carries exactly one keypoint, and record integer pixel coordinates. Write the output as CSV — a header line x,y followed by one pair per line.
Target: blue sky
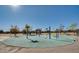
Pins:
x,y
38,16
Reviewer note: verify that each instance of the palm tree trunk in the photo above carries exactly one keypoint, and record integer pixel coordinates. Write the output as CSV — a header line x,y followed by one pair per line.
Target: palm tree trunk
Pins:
x,y
27,34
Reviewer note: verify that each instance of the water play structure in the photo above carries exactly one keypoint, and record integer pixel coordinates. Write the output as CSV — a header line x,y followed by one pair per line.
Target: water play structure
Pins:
x,y
39,42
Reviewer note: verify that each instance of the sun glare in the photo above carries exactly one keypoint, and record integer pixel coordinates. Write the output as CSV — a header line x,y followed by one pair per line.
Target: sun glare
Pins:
x,y
15,7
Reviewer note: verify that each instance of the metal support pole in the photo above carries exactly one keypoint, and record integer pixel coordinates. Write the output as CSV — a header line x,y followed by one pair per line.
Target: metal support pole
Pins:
x,y
49,32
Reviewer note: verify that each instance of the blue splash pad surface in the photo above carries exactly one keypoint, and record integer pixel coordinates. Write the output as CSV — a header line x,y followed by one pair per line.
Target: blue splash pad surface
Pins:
x,y
44,42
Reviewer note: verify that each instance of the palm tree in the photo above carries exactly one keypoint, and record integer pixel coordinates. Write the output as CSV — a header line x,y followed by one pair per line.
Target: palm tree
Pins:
x,y
27,29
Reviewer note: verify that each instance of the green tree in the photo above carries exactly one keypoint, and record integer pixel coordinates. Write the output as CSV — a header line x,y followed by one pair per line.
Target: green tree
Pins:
x,y
61,28
24,31
14,30
73,26
1,31
27,29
